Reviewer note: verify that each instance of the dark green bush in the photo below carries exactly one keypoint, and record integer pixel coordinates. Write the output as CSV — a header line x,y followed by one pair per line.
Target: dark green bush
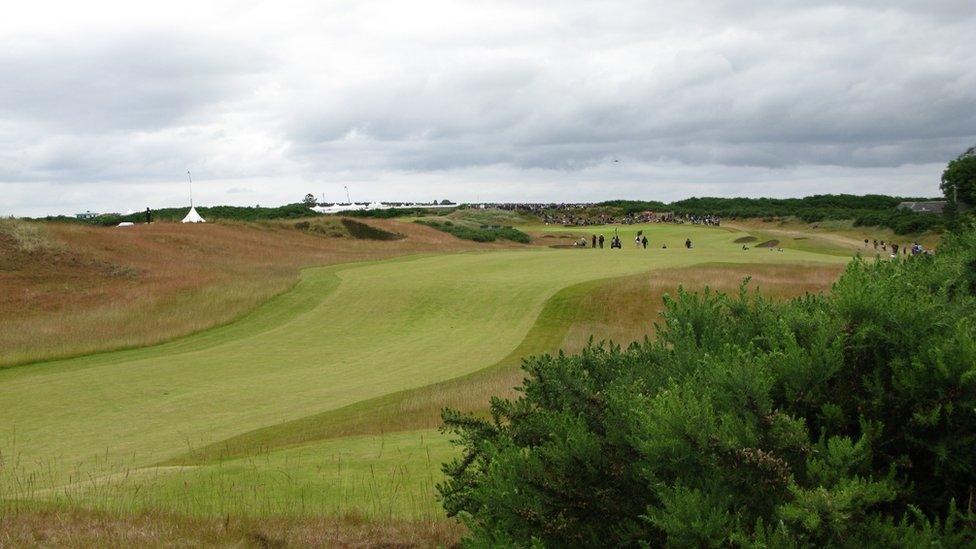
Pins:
x,y
238,213
846,419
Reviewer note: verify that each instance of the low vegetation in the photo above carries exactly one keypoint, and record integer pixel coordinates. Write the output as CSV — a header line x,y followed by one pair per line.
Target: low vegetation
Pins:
x,y
27,236
210,213
845,419
393,213
867,210
74,527
484,233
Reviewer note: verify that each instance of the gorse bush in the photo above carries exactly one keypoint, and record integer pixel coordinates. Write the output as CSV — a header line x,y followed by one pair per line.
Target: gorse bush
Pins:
x,y
830,420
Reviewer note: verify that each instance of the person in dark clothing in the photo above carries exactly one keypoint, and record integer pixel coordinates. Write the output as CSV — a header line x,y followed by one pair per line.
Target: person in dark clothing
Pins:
x,y
601,241
644,241
594,241
688,243
148,215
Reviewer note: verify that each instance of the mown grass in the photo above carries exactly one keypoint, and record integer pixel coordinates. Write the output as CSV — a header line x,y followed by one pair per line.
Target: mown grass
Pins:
x,y
621,309
346,462
380,345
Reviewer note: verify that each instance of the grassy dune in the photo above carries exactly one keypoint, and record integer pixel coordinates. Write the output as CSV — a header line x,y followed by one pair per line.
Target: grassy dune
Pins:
x,y
354,350
68,290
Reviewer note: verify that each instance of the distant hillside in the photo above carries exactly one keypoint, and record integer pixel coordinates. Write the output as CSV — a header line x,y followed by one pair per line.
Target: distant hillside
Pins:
x,y
868,210
238,213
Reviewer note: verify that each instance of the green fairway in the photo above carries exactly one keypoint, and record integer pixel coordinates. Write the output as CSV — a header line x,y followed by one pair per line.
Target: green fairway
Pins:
x,y
344,335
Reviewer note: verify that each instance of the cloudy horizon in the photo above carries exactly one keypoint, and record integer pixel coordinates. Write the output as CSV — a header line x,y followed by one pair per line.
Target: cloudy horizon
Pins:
x,y
105,106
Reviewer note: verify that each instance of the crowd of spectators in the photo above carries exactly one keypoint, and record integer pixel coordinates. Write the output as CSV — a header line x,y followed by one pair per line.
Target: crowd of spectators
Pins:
x,y
584,214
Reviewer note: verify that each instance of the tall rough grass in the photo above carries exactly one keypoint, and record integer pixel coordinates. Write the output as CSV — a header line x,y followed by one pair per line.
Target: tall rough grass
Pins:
x,y
377,478
28,236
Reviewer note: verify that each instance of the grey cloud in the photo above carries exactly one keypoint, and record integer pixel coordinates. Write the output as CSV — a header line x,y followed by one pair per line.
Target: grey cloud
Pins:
x,y
139,82
856,85
353,93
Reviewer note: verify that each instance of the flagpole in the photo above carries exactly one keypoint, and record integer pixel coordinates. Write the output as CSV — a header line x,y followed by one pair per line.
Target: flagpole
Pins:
x,y
191,186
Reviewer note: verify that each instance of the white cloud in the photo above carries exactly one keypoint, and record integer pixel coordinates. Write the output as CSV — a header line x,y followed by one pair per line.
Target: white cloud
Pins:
x,y
106,105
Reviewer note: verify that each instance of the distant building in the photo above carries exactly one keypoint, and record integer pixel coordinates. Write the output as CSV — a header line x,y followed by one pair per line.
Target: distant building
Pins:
x,y
935,206
86,215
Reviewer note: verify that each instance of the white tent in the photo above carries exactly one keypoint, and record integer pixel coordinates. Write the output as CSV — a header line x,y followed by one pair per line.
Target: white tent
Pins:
x,y
193,217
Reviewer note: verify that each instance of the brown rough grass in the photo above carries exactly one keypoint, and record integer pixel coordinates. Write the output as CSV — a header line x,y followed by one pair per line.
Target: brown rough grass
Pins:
x,y
89,289
81,528
625,310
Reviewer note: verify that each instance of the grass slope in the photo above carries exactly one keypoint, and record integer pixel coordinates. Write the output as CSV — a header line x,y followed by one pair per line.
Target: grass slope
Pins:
x,y
68,290
620,309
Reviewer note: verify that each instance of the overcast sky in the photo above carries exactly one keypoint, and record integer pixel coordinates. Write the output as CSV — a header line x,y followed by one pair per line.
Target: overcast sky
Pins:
x,y
104,106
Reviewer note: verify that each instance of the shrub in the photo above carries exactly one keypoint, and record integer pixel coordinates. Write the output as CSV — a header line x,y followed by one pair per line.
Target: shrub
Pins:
x,y
831,420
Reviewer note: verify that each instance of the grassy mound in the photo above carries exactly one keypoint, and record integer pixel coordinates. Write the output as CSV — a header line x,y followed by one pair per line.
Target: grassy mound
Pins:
x,y
363,231
768,244
745,239
505,218
479,234
28,237
325,226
